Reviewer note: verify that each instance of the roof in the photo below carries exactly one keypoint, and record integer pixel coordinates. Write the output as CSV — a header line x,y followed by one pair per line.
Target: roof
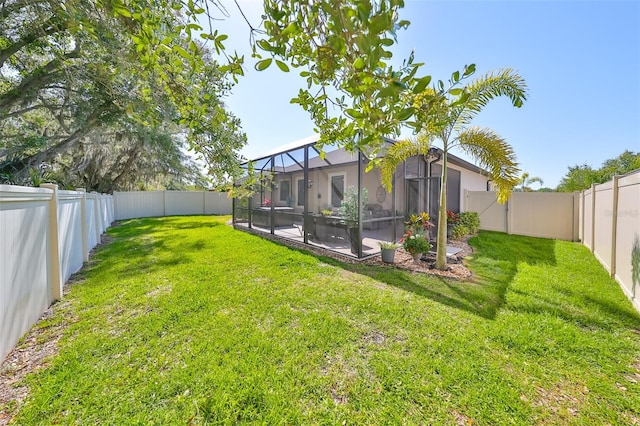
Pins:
x,y
340,156
301,143
462,163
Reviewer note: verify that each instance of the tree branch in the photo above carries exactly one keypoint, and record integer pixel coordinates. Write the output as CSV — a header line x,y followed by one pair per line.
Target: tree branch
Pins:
x,y
39,78
48,28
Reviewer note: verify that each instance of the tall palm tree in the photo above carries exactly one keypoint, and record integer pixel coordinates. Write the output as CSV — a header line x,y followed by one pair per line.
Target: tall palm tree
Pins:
x,y
526,180
446,115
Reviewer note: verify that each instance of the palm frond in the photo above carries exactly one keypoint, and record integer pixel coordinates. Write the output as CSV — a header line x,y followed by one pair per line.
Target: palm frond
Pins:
x,y
432,112
495,84
399,152
495,154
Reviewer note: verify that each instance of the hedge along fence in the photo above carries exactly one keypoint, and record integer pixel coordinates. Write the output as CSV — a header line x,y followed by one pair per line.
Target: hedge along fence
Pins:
x,y
45,236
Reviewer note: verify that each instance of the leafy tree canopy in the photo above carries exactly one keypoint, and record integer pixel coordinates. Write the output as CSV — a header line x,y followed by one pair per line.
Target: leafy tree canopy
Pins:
x,y
581,177
75,72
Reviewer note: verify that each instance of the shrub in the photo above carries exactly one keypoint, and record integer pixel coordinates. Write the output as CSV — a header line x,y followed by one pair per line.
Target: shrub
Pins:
x,y
459,231
419,223
349,207
469,220
415,242
416,236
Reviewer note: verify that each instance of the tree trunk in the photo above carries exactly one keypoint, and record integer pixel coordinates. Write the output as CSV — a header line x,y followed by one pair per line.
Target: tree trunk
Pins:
x,y
90,123
441,252
133,155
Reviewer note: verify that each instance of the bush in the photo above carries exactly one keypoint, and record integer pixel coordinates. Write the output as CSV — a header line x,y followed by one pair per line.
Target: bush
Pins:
x,y
414,243
469,220
459,231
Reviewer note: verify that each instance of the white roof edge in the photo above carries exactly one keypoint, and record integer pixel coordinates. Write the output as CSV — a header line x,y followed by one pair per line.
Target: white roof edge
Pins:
x,y
288,147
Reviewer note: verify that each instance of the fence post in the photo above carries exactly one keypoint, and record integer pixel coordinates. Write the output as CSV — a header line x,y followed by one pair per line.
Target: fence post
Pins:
x,y
593,218
164,203
614,226
96,214
53,251
575,221
83,221
507,215
581,216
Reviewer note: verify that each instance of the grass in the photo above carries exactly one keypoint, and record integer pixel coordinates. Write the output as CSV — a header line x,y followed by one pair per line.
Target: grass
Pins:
x,y
186,321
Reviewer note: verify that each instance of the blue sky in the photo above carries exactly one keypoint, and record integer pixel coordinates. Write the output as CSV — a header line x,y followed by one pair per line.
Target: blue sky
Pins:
x,y
580,59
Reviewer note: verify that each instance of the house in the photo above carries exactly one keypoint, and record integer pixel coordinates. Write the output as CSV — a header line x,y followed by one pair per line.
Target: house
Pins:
x,y
302,191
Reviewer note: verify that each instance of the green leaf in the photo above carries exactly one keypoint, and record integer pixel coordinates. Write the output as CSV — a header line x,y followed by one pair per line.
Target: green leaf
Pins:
x,y
378,24
359,63
386,42
421,84
455,92
405,113
119,10
264,64
387,91
354,113
468,70
264,45
455,77
180,50
282,66
292,28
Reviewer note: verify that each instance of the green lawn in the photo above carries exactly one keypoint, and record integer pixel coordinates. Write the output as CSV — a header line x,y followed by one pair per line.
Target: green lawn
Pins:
x,y
187,321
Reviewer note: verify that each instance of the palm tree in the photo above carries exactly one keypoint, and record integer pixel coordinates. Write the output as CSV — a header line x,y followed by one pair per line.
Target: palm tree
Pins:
x,y
446,115
526,180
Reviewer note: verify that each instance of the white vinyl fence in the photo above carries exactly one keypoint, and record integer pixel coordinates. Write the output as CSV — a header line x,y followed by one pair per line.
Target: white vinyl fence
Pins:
x,y
45,236
611,229
534,214
129,205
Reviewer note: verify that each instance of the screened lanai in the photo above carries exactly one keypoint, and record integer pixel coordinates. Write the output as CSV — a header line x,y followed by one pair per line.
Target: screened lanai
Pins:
x,y
329,201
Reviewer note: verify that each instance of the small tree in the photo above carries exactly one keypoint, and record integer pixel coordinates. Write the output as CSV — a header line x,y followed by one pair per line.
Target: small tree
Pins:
x,y
446,114
351,212
526,180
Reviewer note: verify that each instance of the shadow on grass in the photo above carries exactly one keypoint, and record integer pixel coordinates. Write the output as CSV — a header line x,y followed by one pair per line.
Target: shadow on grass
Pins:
x,y
514,249
494,265
134,248
470,296
135,227
497,252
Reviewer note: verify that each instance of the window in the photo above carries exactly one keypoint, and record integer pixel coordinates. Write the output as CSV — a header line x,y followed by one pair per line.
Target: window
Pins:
x,y
300,183
336,189
284,190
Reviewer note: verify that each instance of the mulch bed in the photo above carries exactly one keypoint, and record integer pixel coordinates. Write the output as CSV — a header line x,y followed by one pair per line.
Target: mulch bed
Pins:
x,y
456,268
